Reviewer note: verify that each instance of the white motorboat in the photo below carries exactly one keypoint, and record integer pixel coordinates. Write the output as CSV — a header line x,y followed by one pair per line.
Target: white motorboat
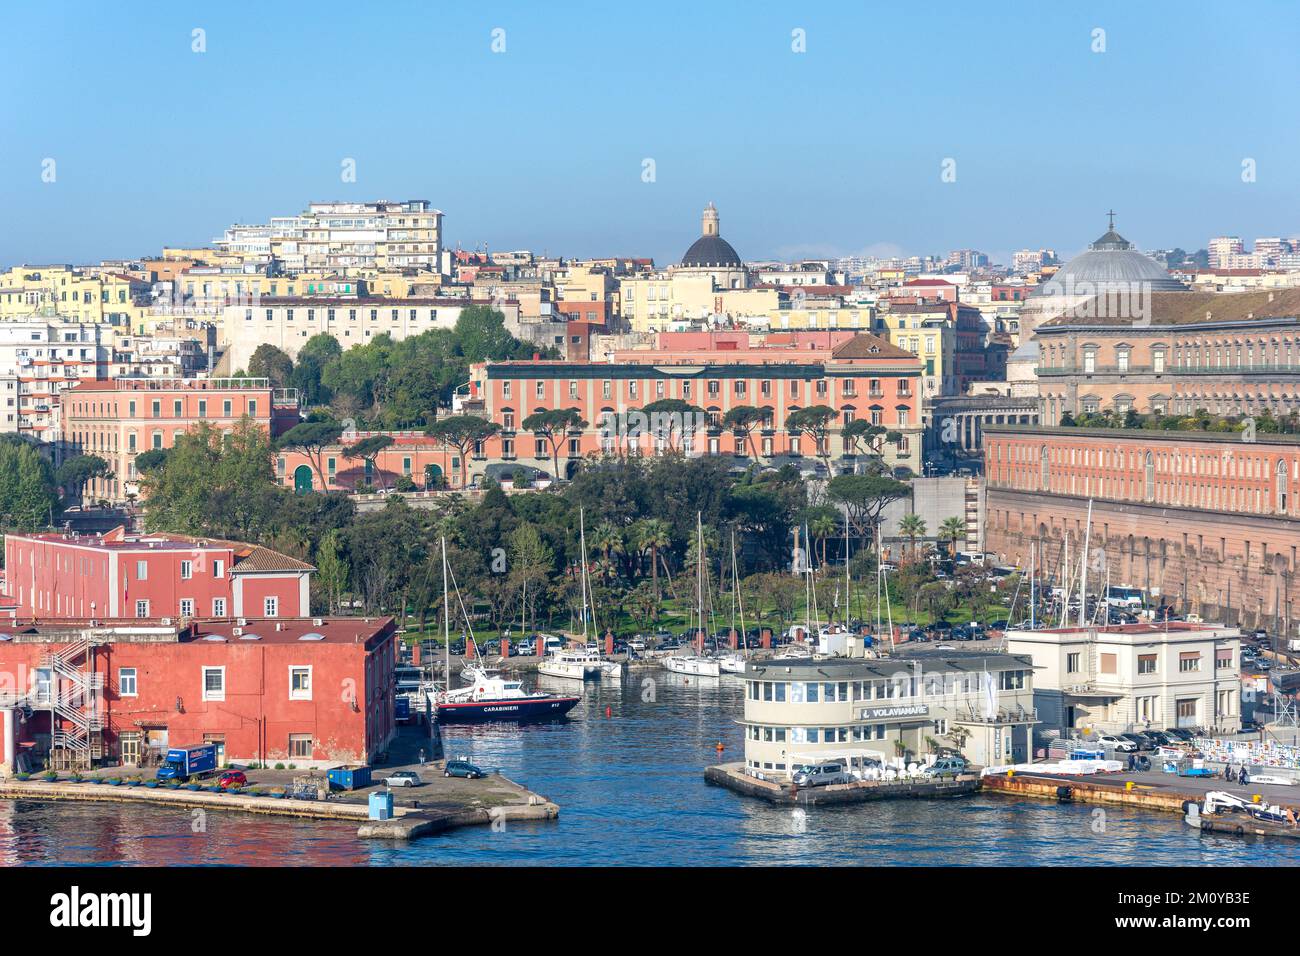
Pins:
x,y
574,665
731,664
796,651
611,670
692,664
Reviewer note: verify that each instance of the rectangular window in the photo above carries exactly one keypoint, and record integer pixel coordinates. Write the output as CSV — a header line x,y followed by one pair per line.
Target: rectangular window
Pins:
x,y
214,683
187,570
187,607
142,570
1146,663
300,683
300,746
271,607
218,568
126,685
218,607
141,608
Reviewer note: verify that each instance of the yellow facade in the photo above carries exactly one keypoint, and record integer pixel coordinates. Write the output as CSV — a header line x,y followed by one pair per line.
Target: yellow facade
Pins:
x,y
85,295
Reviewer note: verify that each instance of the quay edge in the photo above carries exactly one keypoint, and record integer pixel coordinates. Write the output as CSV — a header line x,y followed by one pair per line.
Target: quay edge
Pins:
x,y
731,776
406,823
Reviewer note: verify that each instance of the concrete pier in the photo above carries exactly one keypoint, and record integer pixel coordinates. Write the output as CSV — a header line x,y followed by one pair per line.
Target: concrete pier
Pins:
x,y
733,777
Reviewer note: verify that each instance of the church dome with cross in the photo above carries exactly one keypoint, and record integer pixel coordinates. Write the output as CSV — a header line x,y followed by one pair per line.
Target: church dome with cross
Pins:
x,y
1111,264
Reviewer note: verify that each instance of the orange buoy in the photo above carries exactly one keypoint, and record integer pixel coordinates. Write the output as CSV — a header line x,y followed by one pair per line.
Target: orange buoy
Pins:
x,y
719,748
609,711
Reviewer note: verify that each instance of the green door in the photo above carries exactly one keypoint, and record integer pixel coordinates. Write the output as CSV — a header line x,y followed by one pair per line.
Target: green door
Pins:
x,y
302,479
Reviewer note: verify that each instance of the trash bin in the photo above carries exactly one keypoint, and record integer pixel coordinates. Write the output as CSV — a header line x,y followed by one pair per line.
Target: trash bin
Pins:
x,y
381,805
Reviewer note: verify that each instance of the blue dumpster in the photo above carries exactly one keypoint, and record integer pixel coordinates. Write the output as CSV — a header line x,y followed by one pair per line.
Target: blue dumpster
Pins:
x,y
348,778
381,805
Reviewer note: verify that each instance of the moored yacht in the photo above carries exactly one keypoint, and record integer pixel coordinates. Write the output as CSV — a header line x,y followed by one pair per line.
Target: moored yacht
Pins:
x,y
573,665
494,698
488,697
692,664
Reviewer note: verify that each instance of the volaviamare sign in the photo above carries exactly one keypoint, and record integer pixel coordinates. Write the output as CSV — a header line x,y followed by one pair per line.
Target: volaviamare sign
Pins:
x,y
886,713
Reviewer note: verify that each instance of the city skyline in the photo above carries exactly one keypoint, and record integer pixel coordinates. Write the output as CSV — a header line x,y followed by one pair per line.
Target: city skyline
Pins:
x,y
797,162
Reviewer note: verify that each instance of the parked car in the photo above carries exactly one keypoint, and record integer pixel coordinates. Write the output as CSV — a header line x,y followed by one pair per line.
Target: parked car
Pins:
x,y
1121,744
461,768
404,778
232,780
636,645
1181,733
947,767
822,774
1141,742
1160,739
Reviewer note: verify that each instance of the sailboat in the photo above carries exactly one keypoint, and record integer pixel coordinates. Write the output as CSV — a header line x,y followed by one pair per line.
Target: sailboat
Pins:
x,y
696,664
734,662
489,697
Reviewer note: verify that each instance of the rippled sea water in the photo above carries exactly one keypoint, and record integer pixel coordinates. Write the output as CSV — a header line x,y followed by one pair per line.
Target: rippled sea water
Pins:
x,y
627,772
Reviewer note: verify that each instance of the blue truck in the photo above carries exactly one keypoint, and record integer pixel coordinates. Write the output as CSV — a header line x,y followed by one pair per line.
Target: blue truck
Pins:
x,y
186,763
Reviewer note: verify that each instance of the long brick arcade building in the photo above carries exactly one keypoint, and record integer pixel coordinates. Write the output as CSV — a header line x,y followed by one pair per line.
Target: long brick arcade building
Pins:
x,y
1206,522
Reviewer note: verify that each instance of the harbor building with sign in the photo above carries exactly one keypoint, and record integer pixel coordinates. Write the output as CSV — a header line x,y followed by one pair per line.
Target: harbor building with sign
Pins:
x,y
802,711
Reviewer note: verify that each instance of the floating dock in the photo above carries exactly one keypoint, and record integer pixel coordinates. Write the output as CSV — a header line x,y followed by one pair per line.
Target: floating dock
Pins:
x,y
733,777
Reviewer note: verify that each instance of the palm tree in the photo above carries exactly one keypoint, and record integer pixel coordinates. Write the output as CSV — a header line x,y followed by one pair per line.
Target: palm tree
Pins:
x,y
653,534
911,527
608,540
821,527
952,529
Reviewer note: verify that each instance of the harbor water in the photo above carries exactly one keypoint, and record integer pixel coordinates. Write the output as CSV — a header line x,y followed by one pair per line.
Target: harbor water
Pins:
x,y
627,772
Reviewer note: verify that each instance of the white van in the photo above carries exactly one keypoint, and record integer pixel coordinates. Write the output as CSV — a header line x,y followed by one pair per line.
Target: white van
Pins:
x,y
1126,598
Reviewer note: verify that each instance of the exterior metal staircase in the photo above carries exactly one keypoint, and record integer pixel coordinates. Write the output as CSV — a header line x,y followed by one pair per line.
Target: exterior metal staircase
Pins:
x,y
75,702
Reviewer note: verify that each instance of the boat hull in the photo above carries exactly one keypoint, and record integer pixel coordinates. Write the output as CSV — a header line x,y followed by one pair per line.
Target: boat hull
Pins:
x,y
508,709
693,667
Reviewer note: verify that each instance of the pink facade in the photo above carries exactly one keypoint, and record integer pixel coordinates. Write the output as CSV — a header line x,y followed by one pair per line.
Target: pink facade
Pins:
x,y
115,575
122,418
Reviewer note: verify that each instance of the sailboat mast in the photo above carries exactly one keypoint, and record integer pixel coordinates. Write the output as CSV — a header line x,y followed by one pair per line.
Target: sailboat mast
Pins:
x,y
446,616
846,570
582,580
1083,569
1032,593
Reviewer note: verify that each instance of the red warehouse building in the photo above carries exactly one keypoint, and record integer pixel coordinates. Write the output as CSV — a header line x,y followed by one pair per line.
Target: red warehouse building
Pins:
x,y
312,692
50,576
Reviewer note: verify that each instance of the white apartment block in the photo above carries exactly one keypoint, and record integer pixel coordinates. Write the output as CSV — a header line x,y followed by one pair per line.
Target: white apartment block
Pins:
x,y
1135,676
287,323
39,358
345,236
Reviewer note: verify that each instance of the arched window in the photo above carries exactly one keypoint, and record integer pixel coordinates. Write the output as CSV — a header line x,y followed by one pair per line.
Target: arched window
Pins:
x,y
1044,476
1282,486
1149,493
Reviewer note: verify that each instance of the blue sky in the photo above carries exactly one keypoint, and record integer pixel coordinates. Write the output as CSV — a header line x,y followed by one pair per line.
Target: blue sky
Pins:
x,y
837,150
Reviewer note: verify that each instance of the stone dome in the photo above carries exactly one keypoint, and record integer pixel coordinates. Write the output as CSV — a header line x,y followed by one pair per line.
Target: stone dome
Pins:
x,y
711,251
1110,264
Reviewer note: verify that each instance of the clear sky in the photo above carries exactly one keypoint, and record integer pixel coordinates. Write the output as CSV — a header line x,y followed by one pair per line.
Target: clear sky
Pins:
x,y
836,150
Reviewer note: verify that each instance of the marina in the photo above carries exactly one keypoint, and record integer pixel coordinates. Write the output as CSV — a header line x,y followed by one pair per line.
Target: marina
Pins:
x,y
627,799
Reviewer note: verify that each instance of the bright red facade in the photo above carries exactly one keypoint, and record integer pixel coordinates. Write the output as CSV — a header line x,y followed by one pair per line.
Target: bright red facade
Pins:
x,y
54,576
309,692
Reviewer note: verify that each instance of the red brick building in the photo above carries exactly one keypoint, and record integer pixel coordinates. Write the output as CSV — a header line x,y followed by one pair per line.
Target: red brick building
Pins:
x,y
1204,521
50,576
312,692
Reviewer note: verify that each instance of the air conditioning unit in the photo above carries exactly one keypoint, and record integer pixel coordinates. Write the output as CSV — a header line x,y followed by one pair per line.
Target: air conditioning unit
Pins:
x,y
242,622
317,621
166,621
237,631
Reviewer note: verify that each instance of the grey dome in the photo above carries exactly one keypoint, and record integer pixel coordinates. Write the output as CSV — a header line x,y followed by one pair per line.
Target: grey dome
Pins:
x,y
1110,264
711,252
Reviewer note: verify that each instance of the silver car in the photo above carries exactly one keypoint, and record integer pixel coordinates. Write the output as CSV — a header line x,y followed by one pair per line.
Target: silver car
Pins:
x,y
822,774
